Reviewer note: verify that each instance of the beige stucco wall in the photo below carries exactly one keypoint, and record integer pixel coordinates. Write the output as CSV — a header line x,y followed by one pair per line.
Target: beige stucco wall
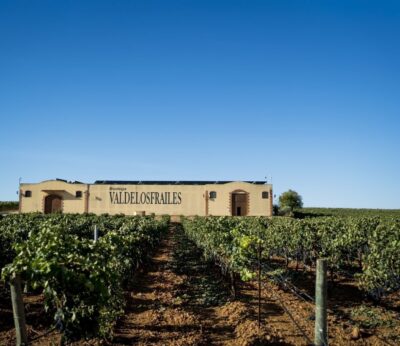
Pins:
x,y
193,199
70,204
257,205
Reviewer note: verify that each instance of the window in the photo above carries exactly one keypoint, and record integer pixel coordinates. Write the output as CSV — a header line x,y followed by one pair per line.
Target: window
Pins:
x,y
78,194
265,194
28,193
213,194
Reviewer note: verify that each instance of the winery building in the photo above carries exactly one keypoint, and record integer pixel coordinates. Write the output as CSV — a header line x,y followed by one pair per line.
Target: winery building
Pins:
x,y
188,198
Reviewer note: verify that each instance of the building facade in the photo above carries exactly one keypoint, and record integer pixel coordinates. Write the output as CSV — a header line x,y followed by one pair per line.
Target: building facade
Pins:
x,y
188,198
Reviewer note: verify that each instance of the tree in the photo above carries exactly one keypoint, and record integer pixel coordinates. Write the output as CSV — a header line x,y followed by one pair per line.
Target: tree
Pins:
x,y
290,200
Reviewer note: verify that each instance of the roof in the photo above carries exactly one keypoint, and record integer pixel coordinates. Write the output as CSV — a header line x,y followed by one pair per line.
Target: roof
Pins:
x,y
170,182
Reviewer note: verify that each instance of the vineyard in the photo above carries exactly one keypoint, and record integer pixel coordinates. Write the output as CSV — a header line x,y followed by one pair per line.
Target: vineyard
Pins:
x,y
365,248
82,281
8,206
343,212
97,290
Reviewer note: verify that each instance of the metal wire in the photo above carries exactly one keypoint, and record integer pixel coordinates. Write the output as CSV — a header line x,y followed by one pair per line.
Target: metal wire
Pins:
x,y
300,294
276,298
295,290
43,334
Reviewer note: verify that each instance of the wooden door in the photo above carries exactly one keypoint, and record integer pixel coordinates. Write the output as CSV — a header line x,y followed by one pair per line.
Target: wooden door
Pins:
x,y
52,204
239,204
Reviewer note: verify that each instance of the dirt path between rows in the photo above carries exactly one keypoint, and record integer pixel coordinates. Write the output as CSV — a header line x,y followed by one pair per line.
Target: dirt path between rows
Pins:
x,y
163,306
182,300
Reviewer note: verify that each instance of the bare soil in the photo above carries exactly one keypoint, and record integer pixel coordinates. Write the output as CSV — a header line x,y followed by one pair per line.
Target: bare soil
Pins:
x,y
183,300
180,299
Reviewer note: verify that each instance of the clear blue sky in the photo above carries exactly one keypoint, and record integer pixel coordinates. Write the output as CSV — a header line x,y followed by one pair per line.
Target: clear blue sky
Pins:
x,y
307,92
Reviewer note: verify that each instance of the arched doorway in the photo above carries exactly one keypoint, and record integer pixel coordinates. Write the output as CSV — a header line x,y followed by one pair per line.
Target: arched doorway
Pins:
x,y
52,204
239,202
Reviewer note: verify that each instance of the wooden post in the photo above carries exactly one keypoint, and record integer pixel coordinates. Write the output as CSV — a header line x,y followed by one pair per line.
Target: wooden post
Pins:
x,y
96,233
18,310
321,325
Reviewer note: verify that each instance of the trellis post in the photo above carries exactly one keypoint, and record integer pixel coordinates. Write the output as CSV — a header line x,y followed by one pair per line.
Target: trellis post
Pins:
x,y
18,310
321,324
96,233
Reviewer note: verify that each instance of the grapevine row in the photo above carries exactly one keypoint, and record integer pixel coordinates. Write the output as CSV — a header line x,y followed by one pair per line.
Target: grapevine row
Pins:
x,y
365,246
82,281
